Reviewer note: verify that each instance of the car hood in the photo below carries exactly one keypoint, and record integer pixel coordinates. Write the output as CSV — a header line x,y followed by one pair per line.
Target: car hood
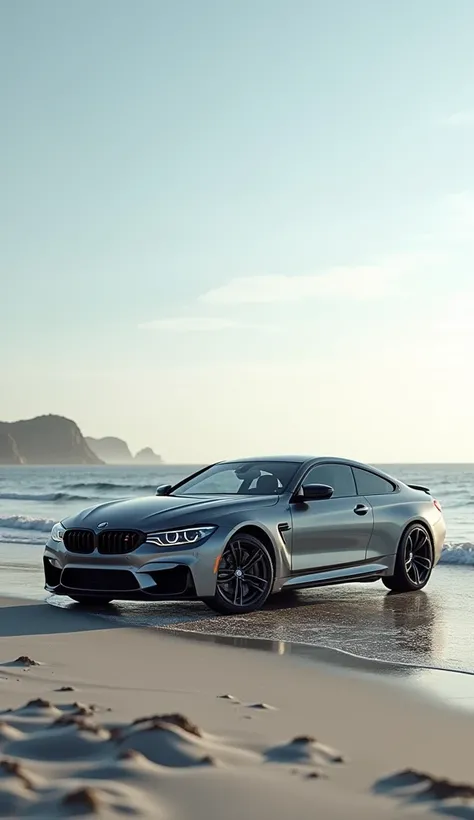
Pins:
x,y
153,512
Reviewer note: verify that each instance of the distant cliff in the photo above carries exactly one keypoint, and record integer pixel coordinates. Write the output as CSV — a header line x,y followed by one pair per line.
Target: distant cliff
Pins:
x,y
116,451
110,449
147,456
44,440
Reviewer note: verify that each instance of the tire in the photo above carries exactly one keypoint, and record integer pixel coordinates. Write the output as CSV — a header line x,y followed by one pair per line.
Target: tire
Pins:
x,y
245,592
414,562
90,600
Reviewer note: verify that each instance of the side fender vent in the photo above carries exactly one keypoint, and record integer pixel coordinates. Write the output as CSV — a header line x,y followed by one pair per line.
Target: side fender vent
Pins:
x,y
282,528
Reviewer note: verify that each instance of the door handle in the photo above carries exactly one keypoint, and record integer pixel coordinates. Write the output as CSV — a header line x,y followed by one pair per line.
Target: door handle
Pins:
x,y
361,509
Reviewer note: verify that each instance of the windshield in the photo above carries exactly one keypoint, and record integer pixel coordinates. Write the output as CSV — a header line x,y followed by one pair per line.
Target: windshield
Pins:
x,y
240,478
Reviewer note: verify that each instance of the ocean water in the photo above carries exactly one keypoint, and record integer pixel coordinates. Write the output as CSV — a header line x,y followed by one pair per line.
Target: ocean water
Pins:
x,y
32,499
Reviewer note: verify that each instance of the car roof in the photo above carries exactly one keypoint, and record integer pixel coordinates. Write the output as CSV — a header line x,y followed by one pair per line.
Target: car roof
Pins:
x,y
287,458
301,459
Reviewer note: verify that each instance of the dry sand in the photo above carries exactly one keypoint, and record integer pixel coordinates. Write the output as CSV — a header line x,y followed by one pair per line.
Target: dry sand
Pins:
x,y
100,720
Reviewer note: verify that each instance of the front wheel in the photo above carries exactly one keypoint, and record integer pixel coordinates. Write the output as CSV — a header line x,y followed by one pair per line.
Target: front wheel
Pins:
x,y
414,563
90,600
244,578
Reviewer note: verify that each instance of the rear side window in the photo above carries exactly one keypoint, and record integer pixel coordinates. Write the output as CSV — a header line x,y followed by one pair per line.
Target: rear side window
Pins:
x,y
337,476
371,484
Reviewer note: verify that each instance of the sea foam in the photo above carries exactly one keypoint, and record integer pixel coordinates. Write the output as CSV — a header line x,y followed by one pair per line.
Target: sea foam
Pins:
x,y
458,553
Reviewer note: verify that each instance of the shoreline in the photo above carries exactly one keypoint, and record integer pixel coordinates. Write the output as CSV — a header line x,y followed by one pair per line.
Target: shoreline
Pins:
x,y
293,733
407,637
454,687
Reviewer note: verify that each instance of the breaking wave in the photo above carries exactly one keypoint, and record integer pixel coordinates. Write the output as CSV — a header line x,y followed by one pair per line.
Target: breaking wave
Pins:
x,y
26,522
461,553
100,486
58,496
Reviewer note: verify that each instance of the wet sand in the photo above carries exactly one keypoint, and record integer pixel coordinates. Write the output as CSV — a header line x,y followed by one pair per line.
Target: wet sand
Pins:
x,y
413,635
433,628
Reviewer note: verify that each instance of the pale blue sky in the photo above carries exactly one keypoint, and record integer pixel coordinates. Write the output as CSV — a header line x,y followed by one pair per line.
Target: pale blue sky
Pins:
x,y
241,227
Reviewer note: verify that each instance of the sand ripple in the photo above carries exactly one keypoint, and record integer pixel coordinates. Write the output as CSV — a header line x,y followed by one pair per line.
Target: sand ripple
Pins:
x,y
61,760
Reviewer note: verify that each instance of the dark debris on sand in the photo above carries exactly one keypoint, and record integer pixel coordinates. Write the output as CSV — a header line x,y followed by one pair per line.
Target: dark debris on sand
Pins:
x,y
260,706
308,740
438,788
82,724
84,709
24,660
176,719
208,760
39,703
303,739
85,801
14,769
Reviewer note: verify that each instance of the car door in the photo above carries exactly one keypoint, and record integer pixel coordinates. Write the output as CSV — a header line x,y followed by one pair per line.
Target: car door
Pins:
x,y
328,533
380,493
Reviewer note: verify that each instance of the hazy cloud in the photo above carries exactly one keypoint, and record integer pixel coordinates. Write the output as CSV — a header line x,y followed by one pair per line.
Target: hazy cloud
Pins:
x,y
461,118
189,324
360,282
199,324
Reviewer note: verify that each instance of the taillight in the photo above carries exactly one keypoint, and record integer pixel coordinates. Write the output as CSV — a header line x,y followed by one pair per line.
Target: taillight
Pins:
x,y
437,505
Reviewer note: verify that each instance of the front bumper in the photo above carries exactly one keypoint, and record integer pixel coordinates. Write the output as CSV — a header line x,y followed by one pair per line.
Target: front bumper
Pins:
x,y
148,573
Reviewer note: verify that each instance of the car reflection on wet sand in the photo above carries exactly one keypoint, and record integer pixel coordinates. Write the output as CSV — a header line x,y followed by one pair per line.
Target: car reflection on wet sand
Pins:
x,y
368,623
430,628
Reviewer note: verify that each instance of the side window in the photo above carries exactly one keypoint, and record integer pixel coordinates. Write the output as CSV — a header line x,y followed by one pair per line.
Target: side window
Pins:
x,y
337,476
371,484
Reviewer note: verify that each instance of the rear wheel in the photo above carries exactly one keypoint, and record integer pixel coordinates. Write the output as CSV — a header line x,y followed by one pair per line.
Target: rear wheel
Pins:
x,y
90,600
414,563
244,578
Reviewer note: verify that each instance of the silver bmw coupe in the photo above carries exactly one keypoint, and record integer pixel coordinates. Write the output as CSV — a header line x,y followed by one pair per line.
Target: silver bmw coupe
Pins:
x,y
238,531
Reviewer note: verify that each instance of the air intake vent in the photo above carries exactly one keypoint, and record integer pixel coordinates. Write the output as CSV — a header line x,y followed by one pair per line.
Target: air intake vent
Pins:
x,y
99,580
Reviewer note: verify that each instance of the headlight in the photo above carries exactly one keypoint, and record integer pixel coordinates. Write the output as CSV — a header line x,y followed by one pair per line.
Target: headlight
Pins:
x,y
180,538
57,532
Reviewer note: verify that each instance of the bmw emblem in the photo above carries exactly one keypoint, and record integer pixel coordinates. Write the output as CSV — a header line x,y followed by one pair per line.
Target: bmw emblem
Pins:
x,y
101,526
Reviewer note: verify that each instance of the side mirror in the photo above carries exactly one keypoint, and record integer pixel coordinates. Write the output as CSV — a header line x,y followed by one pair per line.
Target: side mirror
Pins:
x,y
314,492
163,489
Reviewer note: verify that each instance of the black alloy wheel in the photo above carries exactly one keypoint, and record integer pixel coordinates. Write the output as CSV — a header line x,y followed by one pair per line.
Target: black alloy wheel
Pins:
x,y
244,577
414,562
